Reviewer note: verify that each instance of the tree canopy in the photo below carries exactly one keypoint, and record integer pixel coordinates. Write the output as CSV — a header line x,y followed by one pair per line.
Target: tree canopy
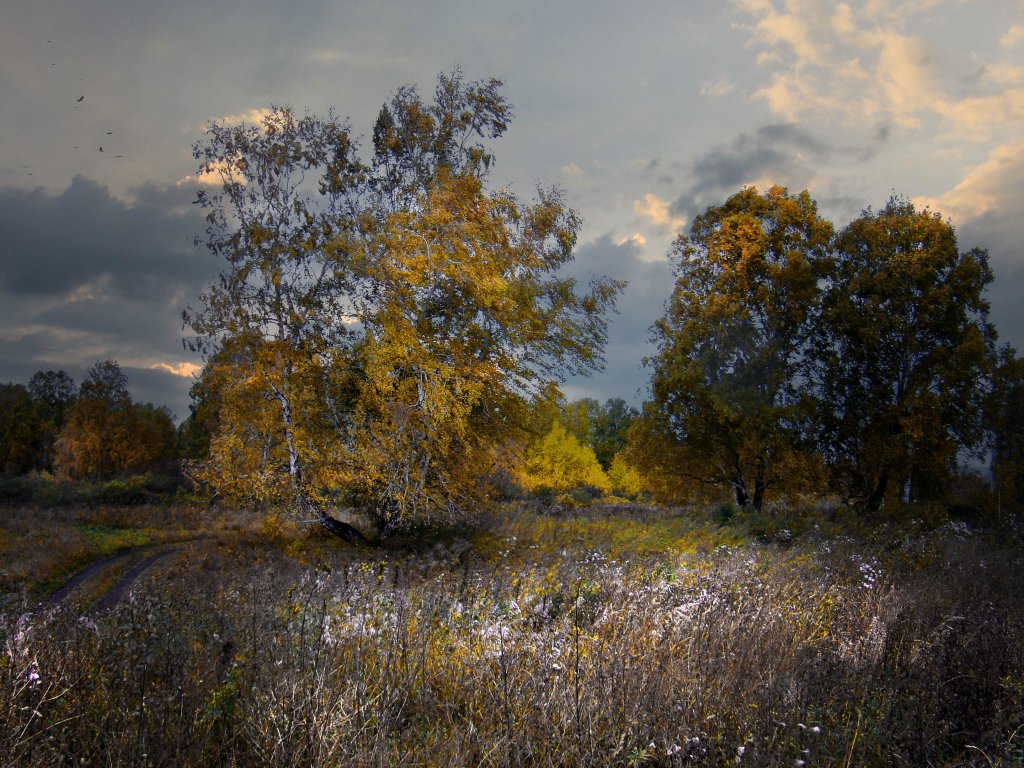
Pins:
x,y
388,320
730,347
785,346
904,353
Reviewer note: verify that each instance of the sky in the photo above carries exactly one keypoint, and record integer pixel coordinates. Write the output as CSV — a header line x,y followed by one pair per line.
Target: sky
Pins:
x,y
645,113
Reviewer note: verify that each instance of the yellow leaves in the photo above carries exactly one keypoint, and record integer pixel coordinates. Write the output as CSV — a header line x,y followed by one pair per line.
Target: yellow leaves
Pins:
x,y
560,462
625,479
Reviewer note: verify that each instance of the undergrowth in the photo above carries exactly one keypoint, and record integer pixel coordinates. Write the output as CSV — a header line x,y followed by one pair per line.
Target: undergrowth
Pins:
x,y
624,637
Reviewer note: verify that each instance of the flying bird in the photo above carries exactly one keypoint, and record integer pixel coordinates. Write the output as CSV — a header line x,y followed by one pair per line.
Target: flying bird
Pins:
x,y
80,98
101,149
110,133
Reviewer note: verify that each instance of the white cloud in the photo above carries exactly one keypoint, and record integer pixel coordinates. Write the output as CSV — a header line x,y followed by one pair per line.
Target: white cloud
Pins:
x,y
655,210
215,175
636,239
975,117
867,61
1005,74
185,370
992,186
572,170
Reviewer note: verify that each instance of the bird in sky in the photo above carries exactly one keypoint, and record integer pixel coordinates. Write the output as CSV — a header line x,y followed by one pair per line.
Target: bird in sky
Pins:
x,y
101,149
80,98
110,133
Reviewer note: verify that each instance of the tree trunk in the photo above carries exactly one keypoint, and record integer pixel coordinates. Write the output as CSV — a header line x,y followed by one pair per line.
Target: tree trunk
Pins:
x,y
742,499
759,487
348,532
874,502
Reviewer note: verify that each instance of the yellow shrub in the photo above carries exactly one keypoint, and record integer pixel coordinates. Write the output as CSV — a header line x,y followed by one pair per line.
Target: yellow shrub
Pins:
x,y
559,462
624,478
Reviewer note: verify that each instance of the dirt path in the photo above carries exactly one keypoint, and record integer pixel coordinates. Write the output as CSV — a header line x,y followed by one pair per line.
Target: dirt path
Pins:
x,y
112,595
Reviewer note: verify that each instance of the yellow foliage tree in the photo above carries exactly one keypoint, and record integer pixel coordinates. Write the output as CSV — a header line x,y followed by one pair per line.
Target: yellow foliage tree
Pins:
x,y
625,479
388,333
559,462
106,434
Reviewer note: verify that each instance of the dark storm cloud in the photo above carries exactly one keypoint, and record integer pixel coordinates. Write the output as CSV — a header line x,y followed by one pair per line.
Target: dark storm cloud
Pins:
x,y
643,302
780,151
145,385
1001,234
158,387
54,244
86,276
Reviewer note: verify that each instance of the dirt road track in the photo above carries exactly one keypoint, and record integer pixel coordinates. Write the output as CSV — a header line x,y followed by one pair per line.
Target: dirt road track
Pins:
x,y
109,597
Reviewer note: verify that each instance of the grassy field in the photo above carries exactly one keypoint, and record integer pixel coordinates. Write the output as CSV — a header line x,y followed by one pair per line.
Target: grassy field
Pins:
x,y
610,635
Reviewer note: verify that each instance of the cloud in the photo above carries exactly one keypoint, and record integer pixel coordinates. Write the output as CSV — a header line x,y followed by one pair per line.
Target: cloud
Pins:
x,y
655,210
185,370
983,206
86,276
253,116
864,61
572,170
640,305
141,248
993,186
781,153
1014,35
717,89
636,239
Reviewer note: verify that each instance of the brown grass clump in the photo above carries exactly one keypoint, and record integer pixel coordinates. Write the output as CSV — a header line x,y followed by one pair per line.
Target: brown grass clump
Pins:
x,y
538,642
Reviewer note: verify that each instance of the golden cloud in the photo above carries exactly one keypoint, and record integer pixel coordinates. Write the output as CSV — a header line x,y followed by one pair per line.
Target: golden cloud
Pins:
x,y
185,370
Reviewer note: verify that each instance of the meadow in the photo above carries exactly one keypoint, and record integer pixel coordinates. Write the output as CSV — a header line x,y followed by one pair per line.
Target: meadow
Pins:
x,y
619,635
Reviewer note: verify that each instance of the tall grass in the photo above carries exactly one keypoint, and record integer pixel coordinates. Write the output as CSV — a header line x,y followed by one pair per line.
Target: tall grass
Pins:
x,y
540,643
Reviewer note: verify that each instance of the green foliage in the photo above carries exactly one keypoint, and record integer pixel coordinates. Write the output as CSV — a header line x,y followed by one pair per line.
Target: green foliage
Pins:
x,y
44,490
904,354
1007,415
789,355
726,376
20,428
53,392
611,425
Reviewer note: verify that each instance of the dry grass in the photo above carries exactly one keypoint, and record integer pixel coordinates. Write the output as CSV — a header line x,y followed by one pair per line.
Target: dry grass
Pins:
x,y
535,641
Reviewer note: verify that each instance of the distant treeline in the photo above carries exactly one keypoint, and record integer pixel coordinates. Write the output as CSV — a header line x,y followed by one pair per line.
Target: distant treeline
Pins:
x,y
86,432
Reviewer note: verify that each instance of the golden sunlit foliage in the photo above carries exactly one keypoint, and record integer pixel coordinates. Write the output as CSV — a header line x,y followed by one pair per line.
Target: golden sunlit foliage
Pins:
x,y
388,322
625,479
559,462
